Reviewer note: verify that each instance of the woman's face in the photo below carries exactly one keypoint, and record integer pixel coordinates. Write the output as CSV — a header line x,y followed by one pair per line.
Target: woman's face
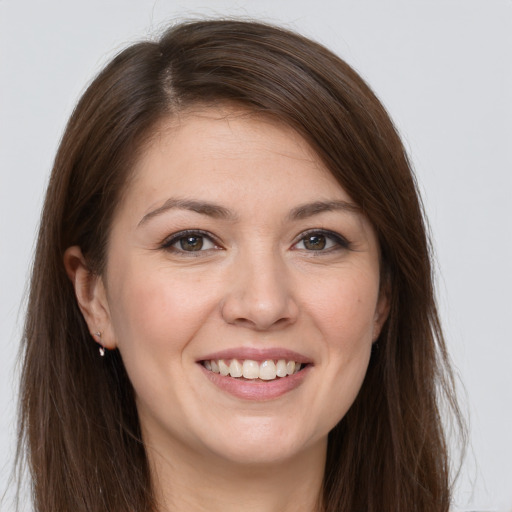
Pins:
x,y
235,248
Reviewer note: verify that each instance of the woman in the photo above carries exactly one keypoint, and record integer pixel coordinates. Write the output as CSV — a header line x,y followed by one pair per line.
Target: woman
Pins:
x,y
231,306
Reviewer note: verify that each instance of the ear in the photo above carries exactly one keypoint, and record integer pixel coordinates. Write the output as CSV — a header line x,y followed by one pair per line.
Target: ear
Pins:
x,y
91,296
382,308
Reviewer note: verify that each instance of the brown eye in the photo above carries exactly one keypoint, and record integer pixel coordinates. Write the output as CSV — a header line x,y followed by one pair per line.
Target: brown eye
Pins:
x,y
322,241
314,242
191,243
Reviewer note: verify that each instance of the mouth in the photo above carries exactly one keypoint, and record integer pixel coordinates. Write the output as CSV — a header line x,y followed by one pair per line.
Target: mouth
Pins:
x,y
253,370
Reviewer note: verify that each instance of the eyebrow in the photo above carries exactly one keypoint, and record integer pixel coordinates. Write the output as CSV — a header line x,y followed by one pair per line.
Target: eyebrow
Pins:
x,y
219,212
310,209
202,207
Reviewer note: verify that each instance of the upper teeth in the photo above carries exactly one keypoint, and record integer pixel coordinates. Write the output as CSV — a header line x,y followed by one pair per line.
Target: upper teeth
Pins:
x,y
249,369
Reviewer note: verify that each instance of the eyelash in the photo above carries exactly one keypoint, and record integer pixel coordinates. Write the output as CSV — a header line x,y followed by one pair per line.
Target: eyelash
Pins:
x,y
168,243
340,242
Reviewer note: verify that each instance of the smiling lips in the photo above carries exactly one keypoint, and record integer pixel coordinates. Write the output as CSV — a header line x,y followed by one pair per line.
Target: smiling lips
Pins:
x,y
249,369
256,374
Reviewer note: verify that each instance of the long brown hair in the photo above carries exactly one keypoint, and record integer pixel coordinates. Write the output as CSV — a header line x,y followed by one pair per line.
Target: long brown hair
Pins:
x,y
79,423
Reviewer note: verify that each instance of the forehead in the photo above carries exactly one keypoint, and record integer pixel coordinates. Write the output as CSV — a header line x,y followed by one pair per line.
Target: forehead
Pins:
x,y
214,147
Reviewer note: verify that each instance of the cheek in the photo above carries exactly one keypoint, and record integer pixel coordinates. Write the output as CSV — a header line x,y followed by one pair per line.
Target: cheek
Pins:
x,y
344,310
155,316
155,311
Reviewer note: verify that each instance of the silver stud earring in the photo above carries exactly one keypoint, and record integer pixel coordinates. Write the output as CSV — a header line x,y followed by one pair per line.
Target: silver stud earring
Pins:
x,y
101,348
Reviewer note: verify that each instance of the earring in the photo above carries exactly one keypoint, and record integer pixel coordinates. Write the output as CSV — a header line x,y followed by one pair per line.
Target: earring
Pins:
x,y
102,348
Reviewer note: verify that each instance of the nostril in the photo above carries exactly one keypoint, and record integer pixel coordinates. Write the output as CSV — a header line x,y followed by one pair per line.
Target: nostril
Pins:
x,y
246,309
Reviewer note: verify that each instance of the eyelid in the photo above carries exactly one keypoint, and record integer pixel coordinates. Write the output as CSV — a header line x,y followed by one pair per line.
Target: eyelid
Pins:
x,y
341,241
170,240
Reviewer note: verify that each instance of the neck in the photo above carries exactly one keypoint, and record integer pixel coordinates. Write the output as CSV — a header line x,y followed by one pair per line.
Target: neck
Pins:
x,y
207,483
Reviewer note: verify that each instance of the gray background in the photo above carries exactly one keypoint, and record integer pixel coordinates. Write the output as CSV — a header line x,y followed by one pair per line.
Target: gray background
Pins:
x,y
443,68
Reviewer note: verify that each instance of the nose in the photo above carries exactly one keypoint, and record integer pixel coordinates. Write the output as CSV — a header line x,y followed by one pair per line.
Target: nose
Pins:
x,y
259,295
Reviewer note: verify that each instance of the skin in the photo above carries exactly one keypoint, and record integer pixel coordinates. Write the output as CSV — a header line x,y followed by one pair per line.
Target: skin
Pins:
x,y
258,282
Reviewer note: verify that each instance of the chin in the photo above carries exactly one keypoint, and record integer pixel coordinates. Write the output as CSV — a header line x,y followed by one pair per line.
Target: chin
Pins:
x,y
263,443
